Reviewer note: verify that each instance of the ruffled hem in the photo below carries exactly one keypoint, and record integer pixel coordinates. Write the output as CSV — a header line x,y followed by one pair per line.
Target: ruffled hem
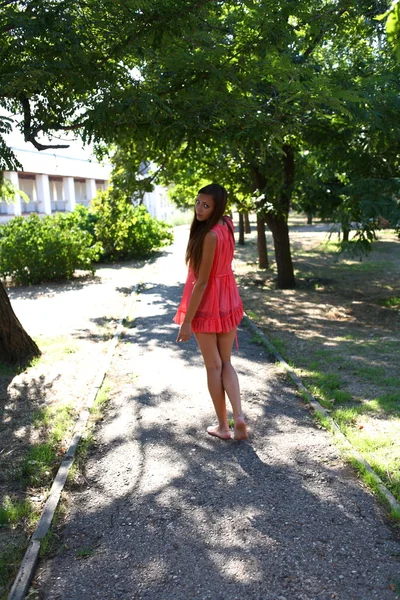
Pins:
x,y
222,324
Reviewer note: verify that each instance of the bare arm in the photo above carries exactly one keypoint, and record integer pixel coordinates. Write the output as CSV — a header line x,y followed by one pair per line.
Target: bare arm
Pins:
x,y
209,247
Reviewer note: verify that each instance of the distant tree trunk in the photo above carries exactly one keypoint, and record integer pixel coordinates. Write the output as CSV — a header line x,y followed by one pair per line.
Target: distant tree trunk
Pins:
x,y
16,347
263,261
247,226
241,229
346,233
277,221
280,234
309,219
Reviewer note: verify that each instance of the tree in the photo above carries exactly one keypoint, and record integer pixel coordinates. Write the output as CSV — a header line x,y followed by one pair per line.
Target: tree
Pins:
x,y
247,87
243,84
392,26
349,163
66,66
16,347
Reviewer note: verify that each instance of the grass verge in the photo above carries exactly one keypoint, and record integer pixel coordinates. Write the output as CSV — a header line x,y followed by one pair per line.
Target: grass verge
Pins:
x,y
340,332
36,442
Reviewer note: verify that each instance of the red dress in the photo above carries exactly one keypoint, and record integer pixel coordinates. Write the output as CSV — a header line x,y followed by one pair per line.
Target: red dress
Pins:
x,y
221,308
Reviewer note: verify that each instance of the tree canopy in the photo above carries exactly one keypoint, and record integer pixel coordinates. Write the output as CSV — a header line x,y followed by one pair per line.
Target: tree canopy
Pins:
x,y
257,93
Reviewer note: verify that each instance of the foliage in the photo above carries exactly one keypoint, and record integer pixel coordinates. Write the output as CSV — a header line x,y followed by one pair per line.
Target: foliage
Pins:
x,y
70,66
33,250
257,88
392,26
83,218
8,160
8,191
126,231
234,92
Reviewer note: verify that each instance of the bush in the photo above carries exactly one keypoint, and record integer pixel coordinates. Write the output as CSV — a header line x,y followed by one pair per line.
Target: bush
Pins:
x,y
38,249
83,218
126,231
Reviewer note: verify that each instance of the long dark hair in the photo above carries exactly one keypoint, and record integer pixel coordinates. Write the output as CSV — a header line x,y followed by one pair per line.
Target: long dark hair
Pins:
x,y
199,229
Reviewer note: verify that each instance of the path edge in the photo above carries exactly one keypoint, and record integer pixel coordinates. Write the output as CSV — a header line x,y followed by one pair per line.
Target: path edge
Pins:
x,y
346,446
30,559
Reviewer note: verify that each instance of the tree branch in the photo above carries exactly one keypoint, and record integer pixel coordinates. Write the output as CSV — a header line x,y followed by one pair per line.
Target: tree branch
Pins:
x,y
31,134
320,36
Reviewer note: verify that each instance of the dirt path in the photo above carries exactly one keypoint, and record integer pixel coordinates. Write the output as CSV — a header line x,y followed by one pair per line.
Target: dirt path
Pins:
x,y
168,512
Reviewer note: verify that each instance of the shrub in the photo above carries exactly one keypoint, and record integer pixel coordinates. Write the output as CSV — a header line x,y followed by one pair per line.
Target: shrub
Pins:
x,y
83,218
126,231
38,249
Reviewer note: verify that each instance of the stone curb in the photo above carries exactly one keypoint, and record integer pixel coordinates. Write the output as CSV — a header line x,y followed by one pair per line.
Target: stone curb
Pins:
x,y
31,556
318,408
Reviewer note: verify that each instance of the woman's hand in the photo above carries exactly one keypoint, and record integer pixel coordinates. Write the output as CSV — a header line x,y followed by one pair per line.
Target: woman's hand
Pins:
x,y
185,331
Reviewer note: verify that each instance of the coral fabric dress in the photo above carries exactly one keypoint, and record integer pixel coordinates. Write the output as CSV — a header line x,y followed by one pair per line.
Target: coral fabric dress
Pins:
x,y
221,307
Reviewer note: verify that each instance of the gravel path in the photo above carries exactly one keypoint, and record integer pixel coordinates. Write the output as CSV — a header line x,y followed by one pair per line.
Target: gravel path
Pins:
x,y
168,512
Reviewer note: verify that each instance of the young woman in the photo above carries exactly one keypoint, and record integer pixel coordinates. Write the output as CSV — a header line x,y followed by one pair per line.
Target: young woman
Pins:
x,y
211,307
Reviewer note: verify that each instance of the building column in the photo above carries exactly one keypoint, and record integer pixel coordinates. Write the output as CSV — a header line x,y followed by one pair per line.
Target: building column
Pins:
x,y
43,192
69,193
14,208
91,189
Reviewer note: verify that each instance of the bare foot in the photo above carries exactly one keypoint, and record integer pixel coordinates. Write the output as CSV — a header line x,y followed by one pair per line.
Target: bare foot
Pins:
x,y
240,431
222,434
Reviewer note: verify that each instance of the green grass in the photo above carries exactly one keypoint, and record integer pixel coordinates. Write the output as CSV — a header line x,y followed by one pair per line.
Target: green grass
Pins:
x,y
252,315
85,552
13,511
181,219
55,349
87,440
352,368
341,396
377,441
371,426
10,559
58,420
38,465
257,339
372,483
279,345
393,302
56,423
373,374
101,401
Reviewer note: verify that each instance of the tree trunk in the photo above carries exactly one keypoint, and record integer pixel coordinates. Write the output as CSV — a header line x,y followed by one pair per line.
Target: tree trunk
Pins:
x,y
277,220
263,262
346,233
247,226
309,219
16,347
280,233
241,229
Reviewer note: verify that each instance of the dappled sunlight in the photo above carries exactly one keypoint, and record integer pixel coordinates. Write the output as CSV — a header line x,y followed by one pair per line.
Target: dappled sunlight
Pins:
x,y
156,570
241,569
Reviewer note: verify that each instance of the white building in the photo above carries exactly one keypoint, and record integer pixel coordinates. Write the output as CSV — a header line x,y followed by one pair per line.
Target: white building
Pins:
x,y
56,180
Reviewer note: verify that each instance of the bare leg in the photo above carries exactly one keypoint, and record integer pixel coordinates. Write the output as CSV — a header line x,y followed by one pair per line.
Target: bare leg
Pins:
x,y
209,348
221,377
230,382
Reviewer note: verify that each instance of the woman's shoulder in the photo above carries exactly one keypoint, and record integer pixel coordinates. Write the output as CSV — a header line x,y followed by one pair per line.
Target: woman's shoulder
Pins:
x,y
211,237
225,221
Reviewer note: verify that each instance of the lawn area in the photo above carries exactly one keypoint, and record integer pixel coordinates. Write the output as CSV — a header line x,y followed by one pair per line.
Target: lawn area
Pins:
x,y
340,331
